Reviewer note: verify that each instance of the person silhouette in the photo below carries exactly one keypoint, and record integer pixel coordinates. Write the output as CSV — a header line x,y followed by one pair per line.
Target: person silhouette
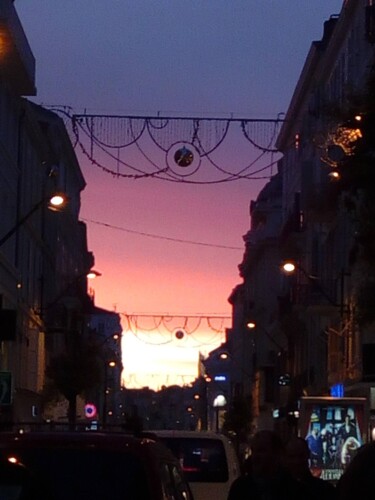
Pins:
x,y
266,475
297,461
357,480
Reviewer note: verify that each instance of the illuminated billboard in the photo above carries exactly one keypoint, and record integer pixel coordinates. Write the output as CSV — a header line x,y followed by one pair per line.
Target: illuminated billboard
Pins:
x,y
334,429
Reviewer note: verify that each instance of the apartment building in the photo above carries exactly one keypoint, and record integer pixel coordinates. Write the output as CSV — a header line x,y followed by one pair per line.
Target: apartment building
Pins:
x,y
44,258
314,313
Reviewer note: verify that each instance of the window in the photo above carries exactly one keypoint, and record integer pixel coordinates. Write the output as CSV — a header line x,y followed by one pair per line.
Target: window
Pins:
x,y
202,460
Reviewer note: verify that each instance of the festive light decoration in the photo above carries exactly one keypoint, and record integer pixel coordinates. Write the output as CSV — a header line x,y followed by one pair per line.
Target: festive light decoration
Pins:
x,y
175,149
166,329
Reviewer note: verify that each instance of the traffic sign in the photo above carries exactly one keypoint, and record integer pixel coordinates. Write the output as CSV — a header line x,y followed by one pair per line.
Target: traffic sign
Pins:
x,y
90,410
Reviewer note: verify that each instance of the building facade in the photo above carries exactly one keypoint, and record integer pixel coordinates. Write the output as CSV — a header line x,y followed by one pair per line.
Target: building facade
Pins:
x,y
44,257
319,315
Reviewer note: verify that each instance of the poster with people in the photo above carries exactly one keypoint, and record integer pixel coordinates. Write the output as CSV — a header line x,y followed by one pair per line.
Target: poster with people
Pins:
x,y
334,429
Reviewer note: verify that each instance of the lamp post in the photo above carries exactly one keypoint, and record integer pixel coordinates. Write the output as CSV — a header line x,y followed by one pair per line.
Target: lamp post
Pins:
x,y
72,364
55,202
239,408
110,357
107,365
90,274
267,366
219,403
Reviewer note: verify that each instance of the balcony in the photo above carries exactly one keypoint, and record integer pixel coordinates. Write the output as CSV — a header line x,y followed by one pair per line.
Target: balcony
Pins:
x,y
17,62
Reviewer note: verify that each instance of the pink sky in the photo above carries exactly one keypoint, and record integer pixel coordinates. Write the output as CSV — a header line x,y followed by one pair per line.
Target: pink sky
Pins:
x,y
195,58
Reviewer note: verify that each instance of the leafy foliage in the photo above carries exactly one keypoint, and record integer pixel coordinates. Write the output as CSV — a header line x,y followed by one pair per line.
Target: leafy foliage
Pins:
x,y
238,418
75,372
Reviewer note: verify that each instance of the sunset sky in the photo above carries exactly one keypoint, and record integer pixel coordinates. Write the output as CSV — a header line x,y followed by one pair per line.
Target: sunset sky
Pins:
x,y
163,248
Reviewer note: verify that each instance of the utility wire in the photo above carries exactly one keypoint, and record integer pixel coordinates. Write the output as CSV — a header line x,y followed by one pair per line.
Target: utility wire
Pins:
x,y
149,235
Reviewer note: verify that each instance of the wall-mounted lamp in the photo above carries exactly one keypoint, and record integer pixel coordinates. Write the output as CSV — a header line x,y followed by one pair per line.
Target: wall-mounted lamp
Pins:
x,y
289,267
252,325
55,202
92,274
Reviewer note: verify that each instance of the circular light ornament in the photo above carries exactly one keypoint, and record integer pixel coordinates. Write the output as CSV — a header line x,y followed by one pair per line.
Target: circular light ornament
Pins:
x,y
336,153
183,159
179,334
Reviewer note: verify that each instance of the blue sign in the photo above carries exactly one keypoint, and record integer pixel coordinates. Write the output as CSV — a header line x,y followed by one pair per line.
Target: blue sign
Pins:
x,y
337,391
220,378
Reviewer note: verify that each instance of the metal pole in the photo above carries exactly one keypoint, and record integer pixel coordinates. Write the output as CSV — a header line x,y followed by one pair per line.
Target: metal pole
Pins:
x,y
21,221
104,416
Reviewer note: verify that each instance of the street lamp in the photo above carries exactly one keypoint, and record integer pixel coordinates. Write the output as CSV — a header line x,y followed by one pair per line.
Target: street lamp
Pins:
x,y
91,274
289,267
108,349
55,202
251,325
219,403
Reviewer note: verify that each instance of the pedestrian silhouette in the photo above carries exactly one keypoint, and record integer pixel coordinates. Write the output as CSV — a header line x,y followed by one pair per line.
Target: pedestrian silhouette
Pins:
x,y
297,461
266,475
357,480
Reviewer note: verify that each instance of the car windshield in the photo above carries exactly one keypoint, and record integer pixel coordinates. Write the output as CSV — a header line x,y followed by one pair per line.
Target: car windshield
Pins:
x,y
86,475
203,460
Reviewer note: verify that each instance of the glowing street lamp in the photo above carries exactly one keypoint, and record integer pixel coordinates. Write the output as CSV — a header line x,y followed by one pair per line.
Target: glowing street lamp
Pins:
x,y
92,274
288,267
55,203
252,325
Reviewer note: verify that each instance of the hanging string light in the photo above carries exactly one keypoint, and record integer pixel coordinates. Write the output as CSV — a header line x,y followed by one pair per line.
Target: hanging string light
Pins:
x,y
164,329
186,149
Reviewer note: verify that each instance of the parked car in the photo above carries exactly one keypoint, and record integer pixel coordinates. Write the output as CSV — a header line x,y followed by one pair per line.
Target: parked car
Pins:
x,y
208,459
93,466
16,482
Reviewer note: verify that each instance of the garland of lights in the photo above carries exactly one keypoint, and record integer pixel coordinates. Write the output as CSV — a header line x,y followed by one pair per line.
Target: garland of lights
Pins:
x,y
173,149
166,328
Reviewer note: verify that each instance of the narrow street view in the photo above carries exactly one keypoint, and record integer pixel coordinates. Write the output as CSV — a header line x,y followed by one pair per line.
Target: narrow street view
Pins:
x,y
187,249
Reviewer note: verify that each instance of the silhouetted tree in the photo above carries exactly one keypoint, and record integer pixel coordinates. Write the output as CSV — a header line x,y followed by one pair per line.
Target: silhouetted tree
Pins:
x,y
75,372
238,420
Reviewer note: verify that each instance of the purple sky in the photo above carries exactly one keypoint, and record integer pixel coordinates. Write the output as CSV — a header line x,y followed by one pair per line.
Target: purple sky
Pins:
x,y
212,58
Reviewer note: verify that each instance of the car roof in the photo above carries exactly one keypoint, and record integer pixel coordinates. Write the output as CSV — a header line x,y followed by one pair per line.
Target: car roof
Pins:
x,y
92,440
186,434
